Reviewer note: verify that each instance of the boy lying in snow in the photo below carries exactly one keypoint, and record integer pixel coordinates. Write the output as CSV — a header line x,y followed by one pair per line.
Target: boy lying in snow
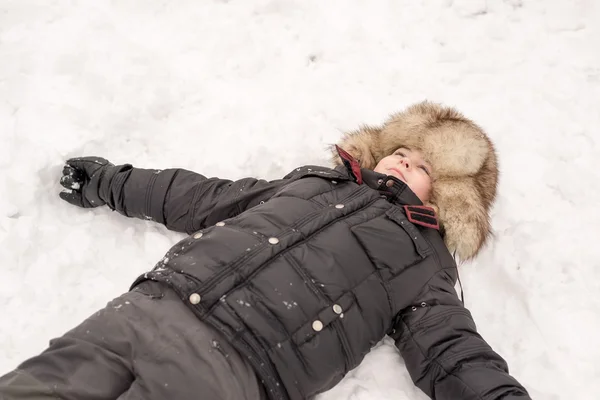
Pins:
x,y
282,287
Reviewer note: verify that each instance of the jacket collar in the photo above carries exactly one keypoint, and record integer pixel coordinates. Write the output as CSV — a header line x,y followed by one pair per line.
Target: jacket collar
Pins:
x,y
393,188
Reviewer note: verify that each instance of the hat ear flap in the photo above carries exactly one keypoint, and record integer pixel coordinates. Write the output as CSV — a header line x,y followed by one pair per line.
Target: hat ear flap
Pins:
x,y
362,145
465,218
487,178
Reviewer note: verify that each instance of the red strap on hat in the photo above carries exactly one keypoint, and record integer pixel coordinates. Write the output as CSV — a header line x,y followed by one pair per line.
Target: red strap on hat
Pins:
x,y
422,215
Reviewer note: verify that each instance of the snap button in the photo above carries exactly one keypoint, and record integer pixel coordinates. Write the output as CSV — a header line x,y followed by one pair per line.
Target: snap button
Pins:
x,y
423,304
317,326
198,235
273,240
380,181
220,223
195,298
414,308
339,206
337,309
389,183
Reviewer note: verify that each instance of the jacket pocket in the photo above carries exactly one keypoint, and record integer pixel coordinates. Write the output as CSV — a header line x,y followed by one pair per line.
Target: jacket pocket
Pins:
x,y
325,333
421,244
150,289
391,241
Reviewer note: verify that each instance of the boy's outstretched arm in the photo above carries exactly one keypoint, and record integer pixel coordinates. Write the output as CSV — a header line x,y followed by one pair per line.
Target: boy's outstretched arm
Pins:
x,y
444,354
182,200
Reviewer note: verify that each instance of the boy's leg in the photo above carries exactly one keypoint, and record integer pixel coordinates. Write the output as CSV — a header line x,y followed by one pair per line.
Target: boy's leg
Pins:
x,y
188,360
92,361
18,385
147,345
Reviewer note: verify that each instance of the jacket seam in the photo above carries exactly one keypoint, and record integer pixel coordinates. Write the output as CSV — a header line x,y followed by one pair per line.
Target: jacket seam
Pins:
x,y
433,318
235,264
435,361
441,367
355,301
268,313
195,205
239,338
349,359
148,202
377,271
286,250
52,391
271,316
463,354
424,253
162,211
433,275
305,275
237,197
345,344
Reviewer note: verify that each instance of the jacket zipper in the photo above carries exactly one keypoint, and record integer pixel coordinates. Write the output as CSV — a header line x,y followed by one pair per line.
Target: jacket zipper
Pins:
x,y
433,250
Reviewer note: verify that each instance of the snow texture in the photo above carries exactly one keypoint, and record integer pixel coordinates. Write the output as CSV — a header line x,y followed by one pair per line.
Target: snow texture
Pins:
x,y
235,88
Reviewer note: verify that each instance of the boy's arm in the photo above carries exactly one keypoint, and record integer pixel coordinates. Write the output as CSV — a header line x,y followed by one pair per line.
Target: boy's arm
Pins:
x,y
444,354
182,200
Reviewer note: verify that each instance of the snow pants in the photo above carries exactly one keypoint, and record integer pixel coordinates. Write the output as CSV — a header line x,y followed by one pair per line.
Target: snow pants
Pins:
x,y
146,344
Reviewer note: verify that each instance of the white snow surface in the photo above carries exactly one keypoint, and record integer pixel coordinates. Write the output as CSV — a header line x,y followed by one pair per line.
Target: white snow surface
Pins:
x,y
235,88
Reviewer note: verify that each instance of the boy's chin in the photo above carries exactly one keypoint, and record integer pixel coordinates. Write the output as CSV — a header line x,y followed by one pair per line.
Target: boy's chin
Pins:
x,y
396,175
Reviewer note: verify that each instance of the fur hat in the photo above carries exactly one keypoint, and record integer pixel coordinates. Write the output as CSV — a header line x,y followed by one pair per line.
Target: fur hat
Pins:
x,y
463,160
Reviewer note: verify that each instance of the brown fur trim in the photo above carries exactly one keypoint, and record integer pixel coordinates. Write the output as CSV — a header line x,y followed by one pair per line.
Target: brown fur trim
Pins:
x,y
363,145
464,162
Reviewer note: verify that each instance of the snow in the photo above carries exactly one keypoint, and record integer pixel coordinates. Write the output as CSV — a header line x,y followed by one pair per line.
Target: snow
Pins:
x,y
235,88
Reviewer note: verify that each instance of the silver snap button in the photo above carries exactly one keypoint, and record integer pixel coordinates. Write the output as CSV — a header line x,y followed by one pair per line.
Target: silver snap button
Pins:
x,y
380,181
198,235
195,298
334,182
414,308
317,326
273,240
423,304
220,223
337,309
339,206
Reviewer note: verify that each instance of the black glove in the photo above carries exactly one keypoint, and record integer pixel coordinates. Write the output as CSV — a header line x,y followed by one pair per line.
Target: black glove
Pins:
x,y
82,177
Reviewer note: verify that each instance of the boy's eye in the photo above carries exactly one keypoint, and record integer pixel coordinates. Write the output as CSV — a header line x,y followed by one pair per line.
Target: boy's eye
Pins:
x,y
399,153
424,168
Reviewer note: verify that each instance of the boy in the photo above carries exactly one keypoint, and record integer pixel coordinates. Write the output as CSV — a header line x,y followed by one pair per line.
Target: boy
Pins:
x,y
282,287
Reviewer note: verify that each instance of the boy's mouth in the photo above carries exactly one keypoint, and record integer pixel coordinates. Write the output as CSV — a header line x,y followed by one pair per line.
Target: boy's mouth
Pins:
x,y
397,171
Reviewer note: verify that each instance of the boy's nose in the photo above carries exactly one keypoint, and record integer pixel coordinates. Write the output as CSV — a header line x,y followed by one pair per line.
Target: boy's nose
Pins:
x,y
405,163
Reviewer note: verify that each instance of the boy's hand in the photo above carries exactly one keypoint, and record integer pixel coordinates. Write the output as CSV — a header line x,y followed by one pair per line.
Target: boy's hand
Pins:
x,y
81,177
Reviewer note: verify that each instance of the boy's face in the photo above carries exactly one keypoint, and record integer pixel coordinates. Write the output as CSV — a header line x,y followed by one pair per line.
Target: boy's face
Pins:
x,y
411,168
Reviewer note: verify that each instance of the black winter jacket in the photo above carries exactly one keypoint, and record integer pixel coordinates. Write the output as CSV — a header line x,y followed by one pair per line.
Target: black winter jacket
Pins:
x,y
305,274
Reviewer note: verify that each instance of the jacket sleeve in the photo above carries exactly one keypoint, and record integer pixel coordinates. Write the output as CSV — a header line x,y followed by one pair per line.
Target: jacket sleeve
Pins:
x,y
444,354
182,200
